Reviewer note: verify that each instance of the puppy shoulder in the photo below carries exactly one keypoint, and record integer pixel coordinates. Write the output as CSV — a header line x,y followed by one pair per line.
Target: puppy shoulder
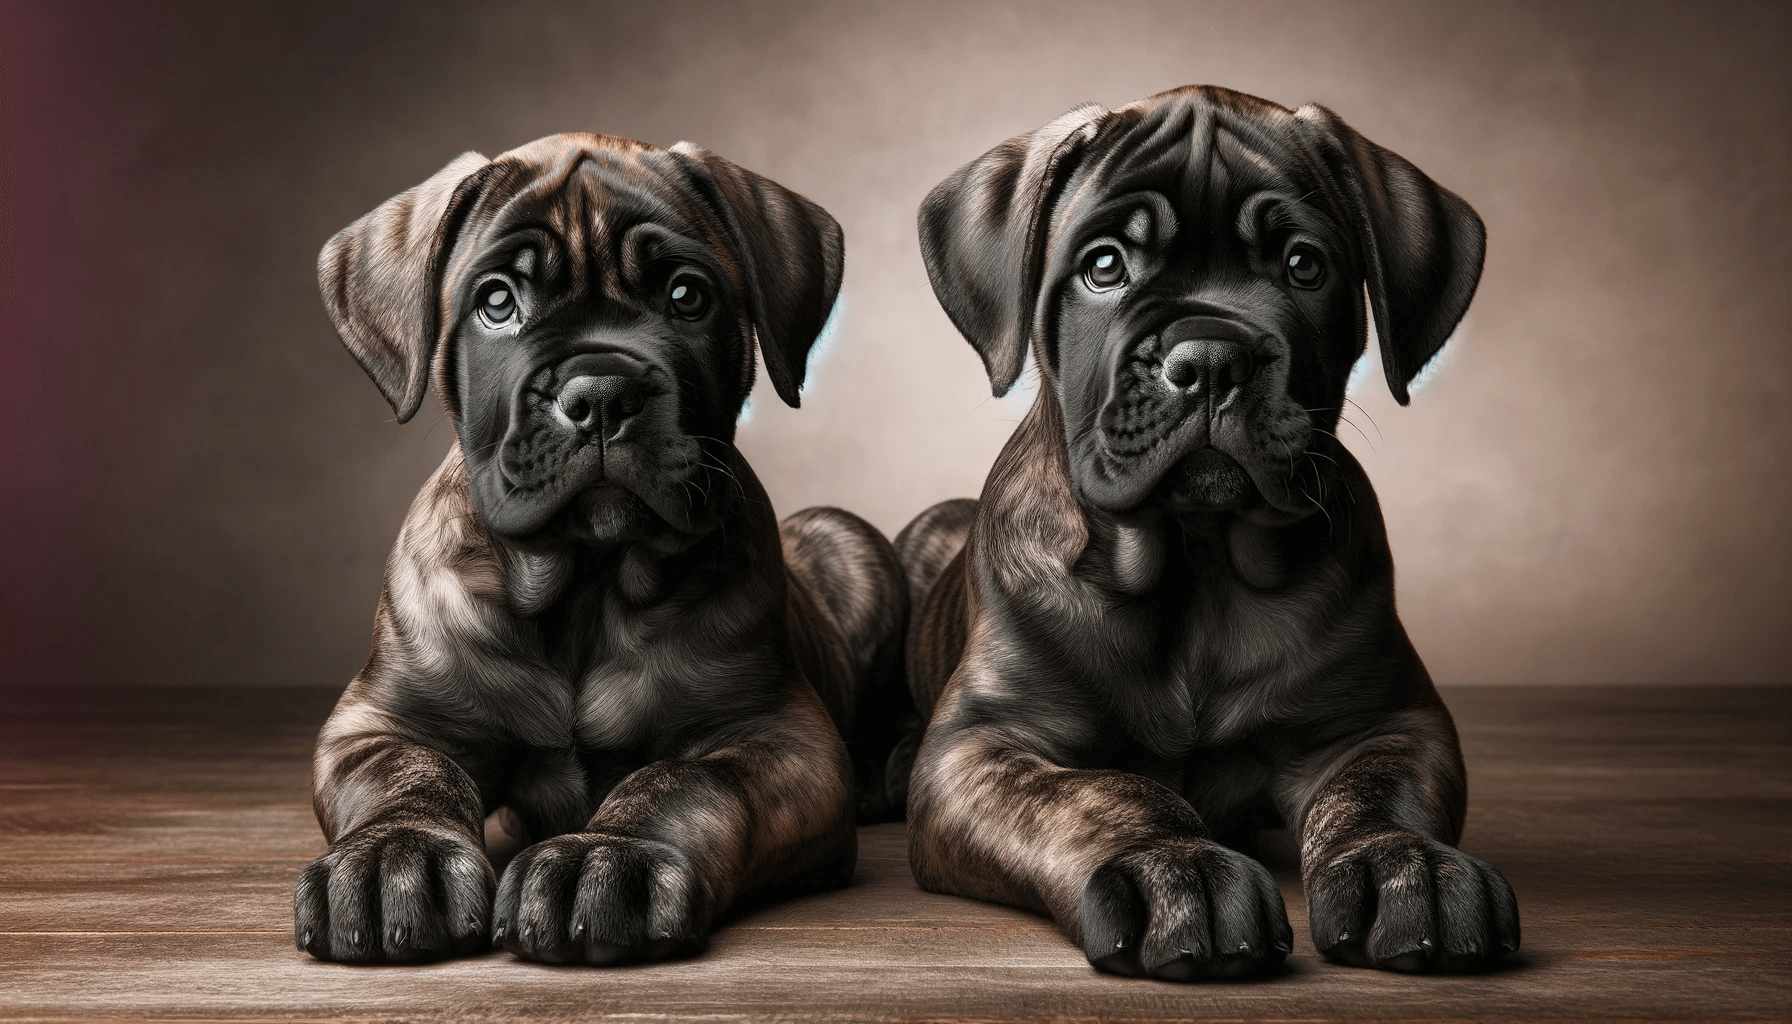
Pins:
x,y
1030,530
444,575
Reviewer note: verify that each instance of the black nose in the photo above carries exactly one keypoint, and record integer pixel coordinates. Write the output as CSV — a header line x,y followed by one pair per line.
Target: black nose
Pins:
x,y
1217,365
599,405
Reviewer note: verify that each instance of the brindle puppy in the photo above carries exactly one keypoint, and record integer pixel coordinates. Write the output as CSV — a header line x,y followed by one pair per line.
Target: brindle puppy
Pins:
x,y
1174,606
591,621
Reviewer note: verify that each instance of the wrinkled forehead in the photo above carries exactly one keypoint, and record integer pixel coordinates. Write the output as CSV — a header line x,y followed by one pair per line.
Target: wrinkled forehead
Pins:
x,y
570,202
1207,159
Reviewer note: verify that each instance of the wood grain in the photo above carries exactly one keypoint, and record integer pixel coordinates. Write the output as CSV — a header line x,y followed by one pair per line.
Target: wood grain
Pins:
x,y
149,840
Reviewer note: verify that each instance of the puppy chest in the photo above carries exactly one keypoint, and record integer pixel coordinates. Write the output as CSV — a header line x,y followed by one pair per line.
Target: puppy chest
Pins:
x,y
1237,649
557,790
625,706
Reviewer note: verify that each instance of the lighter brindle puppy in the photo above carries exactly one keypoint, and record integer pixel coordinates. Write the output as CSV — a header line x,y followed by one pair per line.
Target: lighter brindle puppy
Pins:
x,y
1172,612
591,625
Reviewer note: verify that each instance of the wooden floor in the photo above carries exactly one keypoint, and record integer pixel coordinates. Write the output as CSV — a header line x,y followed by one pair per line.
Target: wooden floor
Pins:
x,y
149,840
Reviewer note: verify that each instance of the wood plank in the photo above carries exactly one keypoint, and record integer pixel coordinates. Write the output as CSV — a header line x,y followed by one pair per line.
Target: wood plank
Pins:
x,y
149,841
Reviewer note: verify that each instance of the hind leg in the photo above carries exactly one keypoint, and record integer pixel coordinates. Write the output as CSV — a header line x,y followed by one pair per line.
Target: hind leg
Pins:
x,y
929,543
851,575
929,549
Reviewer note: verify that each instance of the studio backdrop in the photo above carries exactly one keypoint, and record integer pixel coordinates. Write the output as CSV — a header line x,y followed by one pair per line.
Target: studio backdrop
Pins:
x,y
1591,484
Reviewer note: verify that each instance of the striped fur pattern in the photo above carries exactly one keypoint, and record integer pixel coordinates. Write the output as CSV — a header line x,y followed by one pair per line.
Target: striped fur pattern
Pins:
x,y
594,641
1170,617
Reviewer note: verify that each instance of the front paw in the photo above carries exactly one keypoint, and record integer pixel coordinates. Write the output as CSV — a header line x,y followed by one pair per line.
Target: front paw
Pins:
x,y
1402,902
596,898
395,892
1183,911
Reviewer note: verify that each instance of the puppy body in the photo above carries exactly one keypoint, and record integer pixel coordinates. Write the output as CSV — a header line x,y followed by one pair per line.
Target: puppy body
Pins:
x,y
1170,618
591,622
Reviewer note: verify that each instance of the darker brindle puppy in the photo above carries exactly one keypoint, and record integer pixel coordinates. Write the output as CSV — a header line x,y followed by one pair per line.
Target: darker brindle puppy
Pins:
x,y
1173,609
591,622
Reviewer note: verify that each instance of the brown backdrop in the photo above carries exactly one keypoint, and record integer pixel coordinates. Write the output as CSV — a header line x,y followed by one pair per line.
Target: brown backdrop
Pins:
x,y
199,485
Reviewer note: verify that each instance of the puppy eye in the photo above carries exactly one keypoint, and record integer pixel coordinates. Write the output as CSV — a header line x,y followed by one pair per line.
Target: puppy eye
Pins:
x,y
1105,268
497,303
1305,268
686,298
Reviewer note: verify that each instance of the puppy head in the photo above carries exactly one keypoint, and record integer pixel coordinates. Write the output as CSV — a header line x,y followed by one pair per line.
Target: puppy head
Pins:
x,y
1188,271
587,305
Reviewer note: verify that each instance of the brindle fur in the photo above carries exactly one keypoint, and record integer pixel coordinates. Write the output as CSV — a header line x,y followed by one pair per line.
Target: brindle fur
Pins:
x,y
604,639
1127,666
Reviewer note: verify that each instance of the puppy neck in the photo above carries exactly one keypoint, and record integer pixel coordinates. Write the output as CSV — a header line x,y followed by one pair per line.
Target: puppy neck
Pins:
x,y
1030,526
1255,552
533,580
536,579
1125,554
1131,554
527,580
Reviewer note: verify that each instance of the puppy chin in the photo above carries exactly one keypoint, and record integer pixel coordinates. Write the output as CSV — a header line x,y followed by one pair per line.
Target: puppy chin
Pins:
x,y
1202,483
607,514
600,515
1206,480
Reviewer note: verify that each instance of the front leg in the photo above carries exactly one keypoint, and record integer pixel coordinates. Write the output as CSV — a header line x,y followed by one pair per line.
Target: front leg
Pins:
x,y
1386,886
675,843
1123,864
405,878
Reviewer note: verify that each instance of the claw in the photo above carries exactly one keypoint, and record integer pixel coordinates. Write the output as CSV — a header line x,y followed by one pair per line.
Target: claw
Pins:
x,y
1410,962
1179,968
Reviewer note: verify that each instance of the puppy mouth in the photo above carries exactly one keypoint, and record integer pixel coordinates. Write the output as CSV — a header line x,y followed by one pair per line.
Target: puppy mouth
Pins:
x,y
582,504
592,452
550,483
1188,450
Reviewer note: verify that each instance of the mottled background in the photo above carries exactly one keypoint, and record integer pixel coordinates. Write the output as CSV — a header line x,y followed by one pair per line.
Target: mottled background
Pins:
x,y
198,485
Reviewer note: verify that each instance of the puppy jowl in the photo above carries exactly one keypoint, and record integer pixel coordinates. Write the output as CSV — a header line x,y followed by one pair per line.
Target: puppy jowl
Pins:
x,y
1170,618
591,624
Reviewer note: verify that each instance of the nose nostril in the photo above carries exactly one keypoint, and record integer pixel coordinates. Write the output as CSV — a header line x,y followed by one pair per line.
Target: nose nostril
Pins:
x,y
1205,363
1182,367
1211,358
600,404
576,409
1240,369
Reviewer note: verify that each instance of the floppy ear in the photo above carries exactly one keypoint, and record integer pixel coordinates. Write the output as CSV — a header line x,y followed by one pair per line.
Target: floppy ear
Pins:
x,y
791,253
1422,244
381,276
983,237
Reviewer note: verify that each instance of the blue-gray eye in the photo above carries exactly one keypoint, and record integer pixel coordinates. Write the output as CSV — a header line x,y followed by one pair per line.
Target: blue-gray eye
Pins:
x,y
497,303
1305,268
686,298
1104,268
